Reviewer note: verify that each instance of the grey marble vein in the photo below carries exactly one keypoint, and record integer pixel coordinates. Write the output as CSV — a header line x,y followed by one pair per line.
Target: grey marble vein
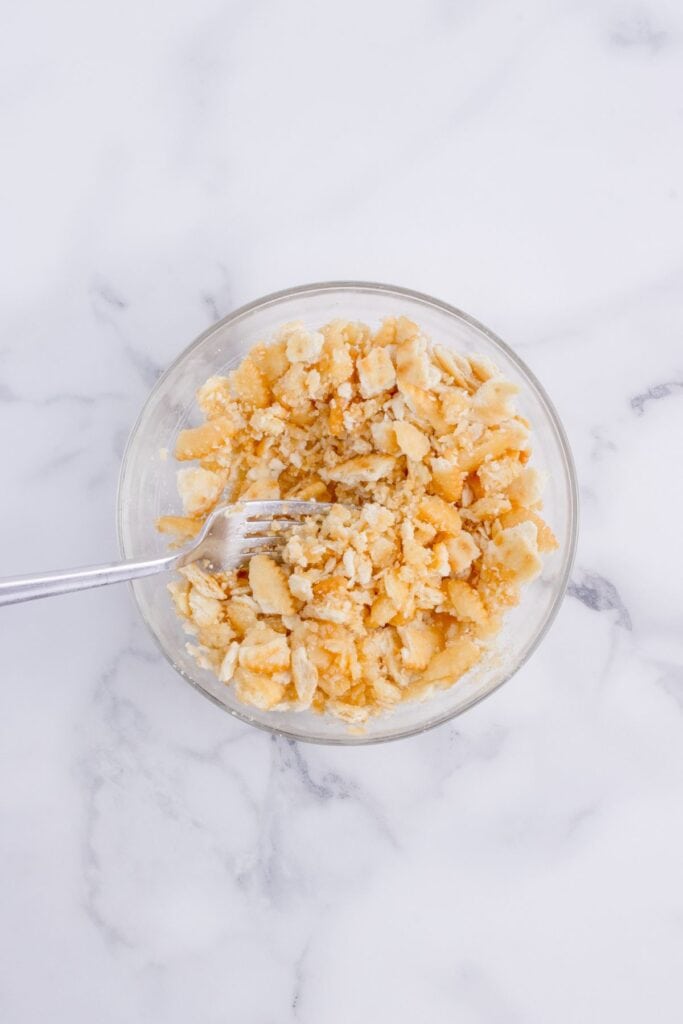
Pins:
x,y
600,595
299,976
105,292
655,394
603,446
209,302
94,774
148,369
639,31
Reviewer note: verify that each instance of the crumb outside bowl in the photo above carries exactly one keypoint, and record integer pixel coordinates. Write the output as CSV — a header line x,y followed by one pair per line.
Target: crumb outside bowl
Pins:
x,y
147,490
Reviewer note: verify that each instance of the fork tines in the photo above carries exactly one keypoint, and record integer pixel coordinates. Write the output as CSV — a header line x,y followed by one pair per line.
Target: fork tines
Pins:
x,y
257,519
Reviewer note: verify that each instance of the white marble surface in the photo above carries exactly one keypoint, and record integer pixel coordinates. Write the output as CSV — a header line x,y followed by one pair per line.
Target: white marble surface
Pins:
x,y
163,163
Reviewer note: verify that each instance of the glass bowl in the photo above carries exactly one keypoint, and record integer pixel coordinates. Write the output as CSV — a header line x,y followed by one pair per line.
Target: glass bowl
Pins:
x,y
147,489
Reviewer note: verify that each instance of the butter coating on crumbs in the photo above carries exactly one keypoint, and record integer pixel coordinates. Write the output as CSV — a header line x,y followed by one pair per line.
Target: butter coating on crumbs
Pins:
x,y
381,602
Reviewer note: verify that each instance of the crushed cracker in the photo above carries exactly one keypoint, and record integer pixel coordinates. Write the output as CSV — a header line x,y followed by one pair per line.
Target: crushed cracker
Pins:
x,y
400,587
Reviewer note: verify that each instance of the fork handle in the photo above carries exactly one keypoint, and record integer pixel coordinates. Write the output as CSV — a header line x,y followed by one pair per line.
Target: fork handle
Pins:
x,y
29,588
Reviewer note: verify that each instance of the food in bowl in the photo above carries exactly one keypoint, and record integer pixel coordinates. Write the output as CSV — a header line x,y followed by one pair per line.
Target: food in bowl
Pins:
x,y
400,588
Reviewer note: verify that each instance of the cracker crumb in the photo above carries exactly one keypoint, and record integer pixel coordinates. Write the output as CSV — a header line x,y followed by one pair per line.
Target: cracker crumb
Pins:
x,y
398,589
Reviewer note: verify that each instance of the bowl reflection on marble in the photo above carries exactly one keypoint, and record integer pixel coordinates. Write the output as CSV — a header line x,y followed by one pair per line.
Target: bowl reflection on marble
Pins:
x,y
147,490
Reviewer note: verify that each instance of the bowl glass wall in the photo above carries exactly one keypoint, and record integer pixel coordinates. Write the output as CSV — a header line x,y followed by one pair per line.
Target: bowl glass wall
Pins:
x,y
148,490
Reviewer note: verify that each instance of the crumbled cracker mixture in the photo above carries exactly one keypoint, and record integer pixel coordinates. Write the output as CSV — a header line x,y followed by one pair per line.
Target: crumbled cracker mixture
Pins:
x,y
399,588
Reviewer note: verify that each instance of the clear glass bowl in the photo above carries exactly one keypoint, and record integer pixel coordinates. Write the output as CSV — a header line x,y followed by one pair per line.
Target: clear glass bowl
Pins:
x,y
147,490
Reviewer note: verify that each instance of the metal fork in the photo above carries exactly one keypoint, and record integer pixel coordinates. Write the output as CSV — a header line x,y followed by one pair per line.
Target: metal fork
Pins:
x,y
230,536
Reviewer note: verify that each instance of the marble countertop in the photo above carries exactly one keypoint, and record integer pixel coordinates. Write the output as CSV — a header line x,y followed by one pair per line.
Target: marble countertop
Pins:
x,y
163,164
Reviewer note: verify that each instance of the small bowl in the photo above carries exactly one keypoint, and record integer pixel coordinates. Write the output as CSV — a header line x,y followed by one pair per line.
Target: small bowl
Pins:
x,y
147,489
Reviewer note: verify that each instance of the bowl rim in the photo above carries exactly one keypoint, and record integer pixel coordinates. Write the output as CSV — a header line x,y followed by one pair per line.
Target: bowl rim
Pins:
x,y
351,739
